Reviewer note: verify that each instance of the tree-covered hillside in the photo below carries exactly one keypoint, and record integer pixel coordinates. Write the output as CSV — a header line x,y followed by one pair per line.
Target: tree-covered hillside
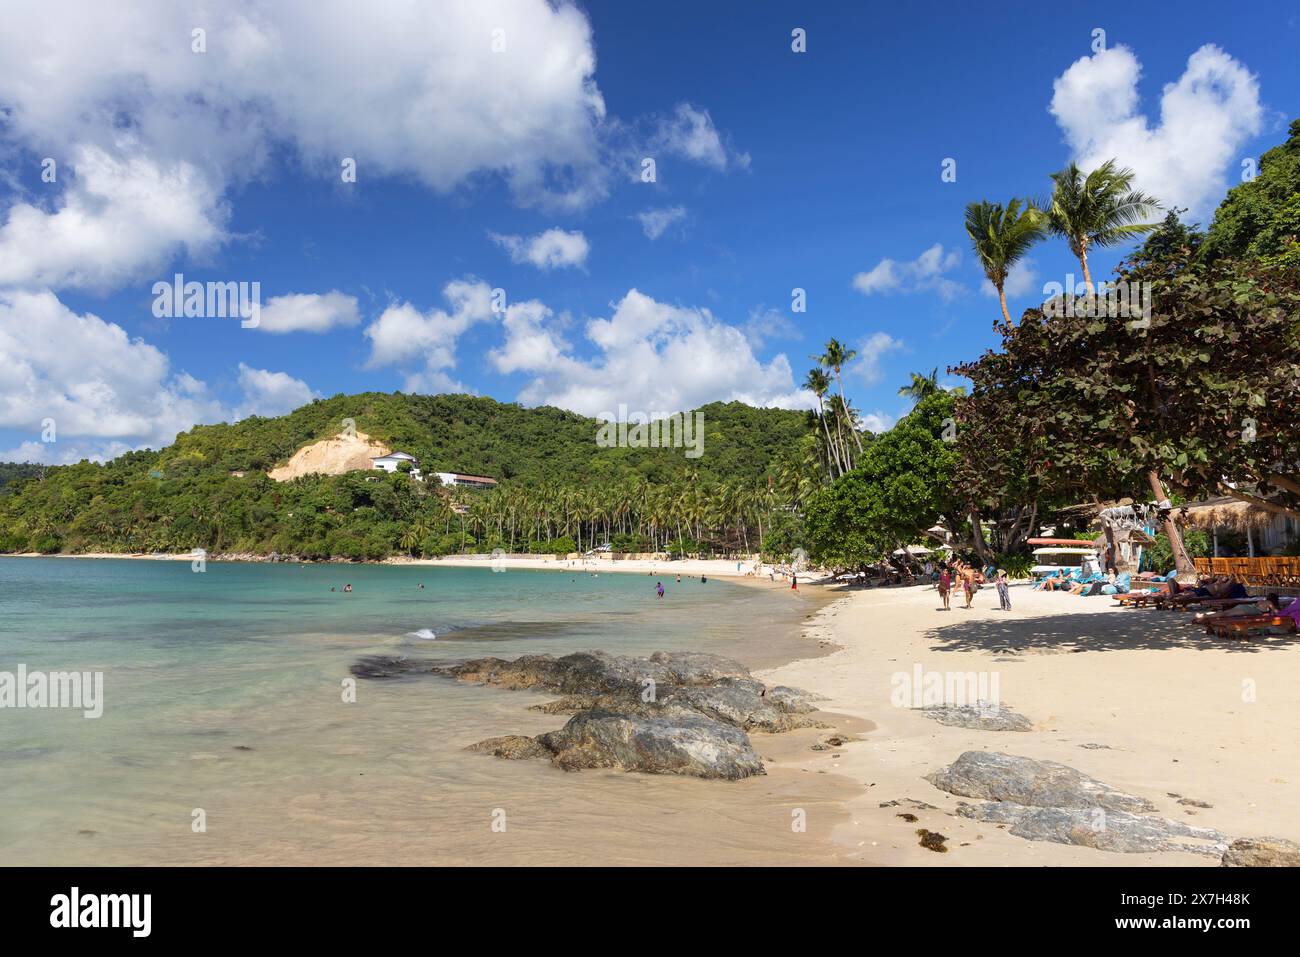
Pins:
x,y
210,489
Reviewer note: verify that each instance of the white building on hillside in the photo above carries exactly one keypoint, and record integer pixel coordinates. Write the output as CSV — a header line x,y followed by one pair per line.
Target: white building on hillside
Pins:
x,y
465,481
393,460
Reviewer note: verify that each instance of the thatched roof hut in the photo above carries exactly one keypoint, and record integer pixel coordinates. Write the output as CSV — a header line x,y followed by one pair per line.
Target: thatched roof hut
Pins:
x,y
1224,512
1134,536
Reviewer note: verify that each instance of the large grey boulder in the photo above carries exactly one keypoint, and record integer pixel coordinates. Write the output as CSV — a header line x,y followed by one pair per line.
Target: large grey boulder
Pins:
x,y
1008,777
981,716
711,685
793,700
676,742
1097,827
741,702
698,668
1262,852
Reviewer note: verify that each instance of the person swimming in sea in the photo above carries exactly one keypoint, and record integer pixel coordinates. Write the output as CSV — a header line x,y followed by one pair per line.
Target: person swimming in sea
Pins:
x,y
659,589
704,579
347,587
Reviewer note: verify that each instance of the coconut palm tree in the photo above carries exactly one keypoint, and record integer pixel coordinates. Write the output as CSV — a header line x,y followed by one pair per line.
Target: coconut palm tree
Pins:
x,y
835,358
921,386
818,384
1001,236
1097,209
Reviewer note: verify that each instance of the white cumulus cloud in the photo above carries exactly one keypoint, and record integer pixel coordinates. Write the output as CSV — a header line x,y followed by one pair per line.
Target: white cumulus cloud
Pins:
x,y
102,391
924,273
424,343
120,217
552,249
650,356
1206,117
871,351
309,312
271,393
656,222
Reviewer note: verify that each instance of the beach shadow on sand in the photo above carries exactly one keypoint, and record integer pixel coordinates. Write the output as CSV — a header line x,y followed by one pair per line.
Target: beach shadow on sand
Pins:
x,y
1128,630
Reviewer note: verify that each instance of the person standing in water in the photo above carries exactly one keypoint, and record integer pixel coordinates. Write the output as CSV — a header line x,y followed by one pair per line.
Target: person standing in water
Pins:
x,y
659,589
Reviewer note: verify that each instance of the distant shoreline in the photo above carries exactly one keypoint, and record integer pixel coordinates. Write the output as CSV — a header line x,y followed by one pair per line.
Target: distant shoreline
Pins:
x,y
695,567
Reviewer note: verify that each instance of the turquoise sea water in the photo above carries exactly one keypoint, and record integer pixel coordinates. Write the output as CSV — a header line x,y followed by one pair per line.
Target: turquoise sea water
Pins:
x,y
223,695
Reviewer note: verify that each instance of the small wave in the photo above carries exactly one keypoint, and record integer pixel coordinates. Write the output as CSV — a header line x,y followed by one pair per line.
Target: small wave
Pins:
x,y
425,633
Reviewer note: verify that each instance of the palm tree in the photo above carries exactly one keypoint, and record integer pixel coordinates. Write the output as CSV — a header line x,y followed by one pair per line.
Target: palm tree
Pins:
x,y
1001,237
921,386
1099,209
835,358
818,384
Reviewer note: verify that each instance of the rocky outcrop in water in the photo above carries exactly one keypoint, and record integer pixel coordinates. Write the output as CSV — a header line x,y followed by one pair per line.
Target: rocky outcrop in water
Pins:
x,y
675,741
1262,852
676,712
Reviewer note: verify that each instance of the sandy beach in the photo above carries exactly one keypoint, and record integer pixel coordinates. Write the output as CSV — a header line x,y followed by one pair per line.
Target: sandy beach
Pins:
x,y
1139,699
1177,715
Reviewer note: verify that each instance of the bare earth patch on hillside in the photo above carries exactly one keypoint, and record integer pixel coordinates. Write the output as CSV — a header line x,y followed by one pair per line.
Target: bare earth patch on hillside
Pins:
x,y
333,456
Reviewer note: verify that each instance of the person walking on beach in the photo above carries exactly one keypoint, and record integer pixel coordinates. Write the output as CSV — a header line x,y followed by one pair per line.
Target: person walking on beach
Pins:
x,y
968,583
1004,590
945,585
794,581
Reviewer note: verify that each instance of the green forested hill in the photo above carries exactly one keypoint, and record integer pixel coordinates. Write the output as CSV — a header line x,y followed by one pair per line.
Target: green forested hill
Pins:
x,y
478,435
187,496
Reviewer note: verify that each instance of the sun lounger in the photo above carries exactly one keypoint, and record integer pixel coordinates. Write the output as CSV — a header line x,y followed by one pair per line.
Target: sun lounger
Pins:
x,y
1242,626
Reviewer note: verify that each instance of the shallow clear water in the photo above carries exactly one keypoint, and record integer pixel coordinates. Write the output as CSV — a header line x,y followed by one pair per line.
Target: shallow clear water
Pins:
x,y
222,694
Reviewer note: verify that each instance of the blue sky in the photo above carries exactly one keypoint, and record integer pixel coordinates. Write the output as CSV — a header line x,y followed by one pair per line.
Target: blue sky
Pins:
x,y
775,170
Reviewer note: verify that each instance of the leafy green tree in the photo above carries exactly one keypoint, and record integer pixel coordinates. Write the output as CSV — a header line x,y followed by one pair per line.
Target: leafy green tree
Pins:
x,y
1260,219
901,487
1202,391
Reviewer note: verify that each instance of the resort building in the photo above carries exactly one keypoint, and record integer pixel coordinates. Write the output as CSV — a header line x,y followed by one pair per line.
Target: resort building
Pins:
x,y
393,460
1252,529
465,481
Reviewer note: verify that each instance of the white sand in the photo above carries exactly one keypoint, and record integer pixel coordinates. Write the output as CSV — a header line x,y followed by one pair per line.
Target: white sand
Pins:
x,y
713,568
1170,704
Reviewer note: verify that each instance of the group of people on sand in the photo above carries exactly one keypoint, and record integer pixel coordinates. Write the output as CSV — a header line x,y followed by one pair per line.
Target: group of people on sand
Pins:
x,y
957,573
1075,584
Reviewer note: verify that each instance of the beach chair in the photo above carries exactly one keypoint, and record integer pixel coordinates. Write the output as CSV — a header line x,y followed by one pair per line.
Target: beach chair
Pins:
x,y
1243,626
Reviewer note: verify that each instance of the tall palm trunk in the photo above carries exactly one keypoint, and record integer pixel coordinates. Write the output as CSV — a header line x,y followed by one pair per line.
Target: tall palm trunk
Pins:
x,y
844,406
1083,264
1002,301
